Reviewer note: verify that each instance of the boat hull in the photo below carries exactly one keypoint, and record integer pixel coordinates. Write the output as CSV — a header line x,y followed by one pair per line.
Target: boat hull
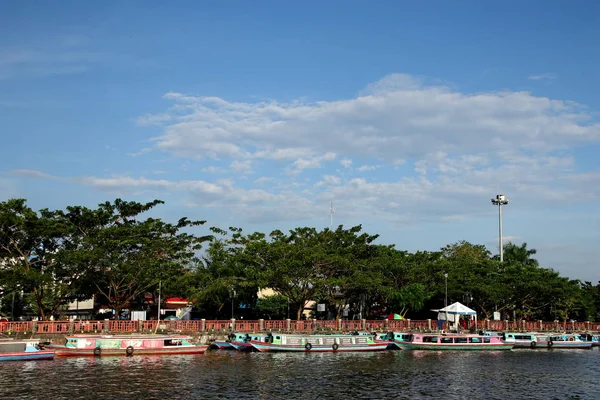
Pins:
x,y
27,355
74,352
242,346
570,345
221,345
315,348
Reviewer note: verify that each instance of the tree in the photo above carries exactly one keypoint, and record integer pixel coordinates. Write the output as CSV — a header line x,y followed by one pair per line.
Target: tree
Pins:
x,y
125,256
274,307
222,276
32,246
521,254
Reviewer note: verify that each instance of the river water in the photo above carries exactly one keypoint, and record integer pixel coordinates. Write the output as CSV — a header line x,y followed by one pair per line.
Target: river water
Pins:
x,y
221,374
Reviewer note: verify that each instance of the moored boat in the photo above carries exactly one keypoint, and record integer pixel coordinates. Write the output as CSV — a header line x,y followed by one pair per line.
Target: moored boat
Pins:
x,y
567,341
17,350
221,345
529,340
395,338
319,343
242,341
426,341
115,345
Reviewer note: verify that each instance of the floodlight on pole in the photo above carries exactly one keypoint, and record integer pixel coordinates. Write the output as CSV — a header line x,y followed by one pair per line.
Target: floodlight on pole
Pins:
x,y
500,201
446,299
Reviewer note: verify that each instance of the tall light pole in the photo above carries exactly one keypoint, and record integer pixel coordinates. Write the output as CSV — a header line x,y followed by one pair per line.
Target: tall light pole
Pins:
x,y
446,300
500,201
159,288
232,297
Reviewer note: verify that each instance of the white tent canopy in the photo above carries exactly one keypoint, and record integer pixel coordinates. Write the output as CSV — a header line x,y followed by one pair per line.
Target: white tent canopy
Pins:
x,y
454,311
457,308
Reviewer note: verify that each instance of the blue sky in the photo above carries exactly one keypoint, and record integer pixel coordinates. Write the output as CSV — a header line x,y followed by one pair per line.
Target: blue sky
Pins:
x,y
408,116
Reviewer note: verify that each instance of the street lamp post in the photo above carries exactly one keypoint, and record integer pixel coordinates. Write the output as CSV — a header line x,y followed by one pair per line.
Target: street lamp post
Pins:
x,y
232,297
500,201
446,299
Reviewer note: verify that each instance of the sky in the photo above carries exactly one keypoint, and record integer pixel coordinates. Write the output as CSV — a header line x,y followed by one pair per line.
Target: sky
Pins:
x,y
408,116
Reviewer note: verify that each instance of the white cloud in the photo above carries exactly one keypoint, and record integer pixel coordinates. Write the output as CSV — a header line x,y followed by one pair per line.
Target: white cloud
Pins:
x,y
213,170
346,163
313,162
368,168
32,173
329,180
241,167
140,152
546,76
397,118
263,180
440,154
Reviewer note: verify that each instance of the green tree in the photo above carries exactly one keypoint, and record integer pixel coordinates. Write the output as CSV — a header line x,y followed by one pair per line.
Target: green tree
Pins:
x,y
124,255
32,249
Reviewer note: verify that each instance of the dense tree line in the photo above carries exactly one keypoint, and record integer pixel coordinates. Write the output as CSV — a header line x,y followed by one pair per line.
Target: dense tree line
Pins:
x,y
49,258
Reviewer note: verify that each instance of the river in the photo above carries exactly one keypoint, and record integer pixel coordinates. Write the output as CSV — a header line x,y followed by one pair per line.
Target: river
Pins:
x,y
220,374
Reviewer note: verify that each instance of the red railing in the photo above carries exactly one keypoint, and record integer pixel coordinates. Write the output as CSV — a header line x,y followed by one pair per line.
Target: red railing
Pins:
x,y
184,326
301,326
275,325
216,326
325,325
90,326
351,325
247,326
376,325
123,326
52,327
16,327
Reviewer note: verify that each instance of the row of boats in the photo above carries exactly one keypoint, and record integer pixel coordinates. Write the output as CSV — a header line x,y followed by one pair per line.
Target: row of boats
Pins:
x,y
405,341
129,345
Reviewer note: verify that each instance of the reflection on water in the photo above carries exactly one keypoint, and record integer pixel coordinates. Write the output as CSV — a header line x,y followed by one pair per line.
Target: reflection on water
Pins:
x,y
539,374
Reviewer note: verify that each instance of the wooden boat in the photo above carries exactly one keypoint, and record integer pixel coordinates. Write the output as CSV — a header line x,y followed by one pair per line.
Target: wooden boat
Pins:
x,y
221,345
16,350
394,338
125,345
567,341
319,343
427,341
241,341
530,340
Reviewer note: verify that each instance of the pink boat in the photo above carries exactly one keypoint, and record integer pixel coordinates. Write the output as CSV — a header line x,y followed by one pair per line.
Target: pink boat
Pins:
x,y
124,345
432,341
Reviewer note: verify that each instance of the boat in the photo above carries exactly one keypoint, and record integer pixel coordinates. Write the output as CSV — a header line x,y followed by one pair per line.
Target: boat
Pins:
x,y
529,340
395,338
567,341
319,343
595,338
241,341
221,344
427,341
27,349
127,345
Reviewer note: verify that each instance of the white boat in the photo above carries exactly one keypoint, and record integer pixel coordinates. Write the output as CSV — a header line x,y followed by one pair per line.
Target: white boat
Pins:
x,y
320,343
567,341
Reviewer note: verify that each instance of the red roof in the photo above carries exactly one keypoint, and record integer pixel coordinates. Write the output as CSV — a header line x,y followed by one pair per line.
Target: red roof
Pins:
x,y
176,300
